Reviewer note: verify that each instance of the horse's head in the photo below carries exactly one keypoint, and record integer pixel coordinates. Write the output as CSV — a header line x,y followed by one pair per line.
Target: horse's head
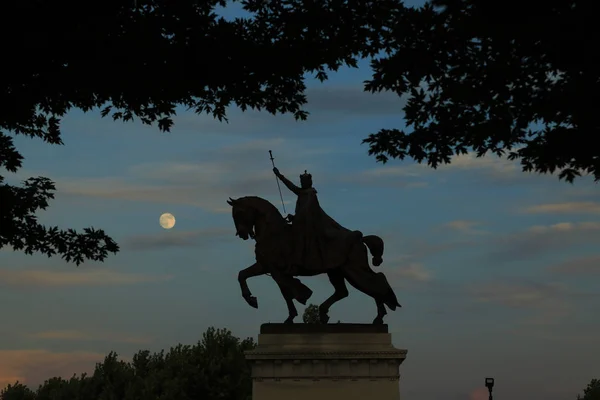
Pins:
x,y
244,218
255,217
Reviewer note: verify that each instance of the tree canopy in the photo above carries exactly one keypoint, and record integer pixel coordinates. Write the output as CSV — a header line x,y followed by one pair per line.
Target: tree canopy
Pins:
x,y
479,76
311,314
141,62
213,369
493,77
592,391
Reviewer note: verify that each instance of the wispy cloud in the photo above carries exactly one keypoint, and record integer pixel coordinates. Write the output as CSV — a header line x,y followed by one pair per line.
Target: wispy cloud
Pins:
x,y
546,302
34,366
583,207
579,266
168,239
401,272
391,171
232,171
487,169
388,176
327,105
402,248
416,272
464,226
566,227
353,100
516,294
81,336
81,277
541,239
587,192
499,167
125,188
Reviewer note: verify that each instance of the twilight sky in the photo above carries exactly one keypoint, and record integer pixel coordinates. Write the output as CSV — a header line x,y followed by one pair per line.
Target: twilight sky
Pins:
x,y
497,270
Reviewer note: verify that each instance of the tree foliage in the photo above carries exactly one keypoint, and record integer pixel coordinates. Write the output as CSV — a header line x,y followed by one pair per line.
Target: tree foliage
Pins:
x,y
477,75
493,76
311,314
18,391
141,62
213,369
592,391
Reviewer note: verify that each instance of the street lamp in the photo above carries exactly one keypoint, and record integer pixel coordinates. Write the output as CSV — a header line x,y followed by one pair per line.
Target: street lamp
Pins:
x,y
489,383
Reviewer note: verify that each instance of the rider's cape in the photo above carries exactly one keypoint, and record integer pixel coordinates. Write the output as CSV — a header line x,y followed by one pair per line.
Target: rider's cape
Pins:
x,y
325,243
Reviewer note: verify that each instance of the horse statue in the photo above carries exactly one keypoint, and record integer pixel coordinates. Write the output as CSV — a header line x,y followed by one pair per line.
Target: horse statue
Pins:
x,y
256,218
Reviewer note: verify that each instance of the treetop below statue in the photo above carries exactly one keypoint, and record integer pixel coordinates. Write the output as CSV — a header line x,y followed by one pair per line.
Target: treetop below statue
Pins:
x,y
308,243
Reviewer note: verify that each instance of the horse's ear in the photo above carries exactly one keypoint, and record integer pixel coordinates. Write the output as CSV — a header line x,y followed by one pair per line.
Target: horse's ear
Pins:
x,y
230,201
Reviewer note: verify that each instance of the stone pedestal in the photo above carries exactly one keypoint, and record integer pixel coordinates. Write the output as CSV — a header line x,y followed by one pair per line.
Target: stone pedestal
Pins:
x,y
325,362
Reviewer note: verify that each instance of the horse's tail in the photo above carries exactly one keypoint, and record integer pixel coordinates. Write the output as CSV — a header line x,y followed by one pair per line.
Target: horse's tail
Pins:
x,y
389,298
375,245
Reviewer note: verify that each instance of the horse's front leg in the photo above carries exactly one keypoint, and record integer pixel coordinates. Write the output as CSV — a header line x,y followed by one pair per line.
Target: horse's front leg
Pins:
x,y
255,269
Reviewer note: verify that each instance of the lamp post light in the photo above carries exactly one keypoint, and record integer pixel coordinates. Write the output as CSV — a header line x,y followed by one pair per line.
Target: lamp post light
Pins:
x,y
489,383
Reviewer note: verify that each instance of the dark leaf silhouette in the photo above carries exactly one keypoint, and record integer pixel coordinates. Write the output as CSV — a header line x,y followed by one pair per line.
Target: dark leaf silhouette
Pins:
x,y
478,75
139,62
484,77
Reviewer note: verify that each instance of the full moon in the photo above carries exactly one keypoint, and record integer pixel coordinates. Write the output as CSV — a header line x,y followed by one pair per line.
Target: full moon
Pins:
x,y
167,220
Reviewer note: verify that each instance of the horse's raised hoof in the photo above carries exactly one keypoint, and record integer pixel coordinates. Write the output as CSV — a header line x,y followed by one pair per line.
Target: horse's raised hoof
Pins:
x,y
301,292
378,321
252,301
304,296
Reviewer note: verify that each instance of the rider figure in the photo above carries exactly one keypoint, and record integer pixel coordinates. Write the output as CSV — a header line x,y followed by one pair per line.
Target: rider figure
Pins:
x,y
305,227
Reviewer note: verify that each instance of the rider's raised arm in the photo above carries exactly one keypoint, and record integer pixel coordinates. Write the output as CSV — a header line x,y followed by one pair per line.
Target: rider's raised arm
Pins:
x,y
290,185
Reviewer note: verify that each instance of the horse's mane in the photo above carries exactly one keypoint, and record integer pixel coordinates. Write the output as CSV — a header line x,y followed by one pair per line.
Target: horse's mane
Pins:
x,y
261,204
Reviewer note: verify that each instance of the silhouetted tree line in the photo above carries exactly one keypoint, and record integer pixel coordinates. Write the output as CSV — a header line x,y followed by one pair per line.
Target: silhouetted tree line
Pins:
x,y
486,76
592,391
213,369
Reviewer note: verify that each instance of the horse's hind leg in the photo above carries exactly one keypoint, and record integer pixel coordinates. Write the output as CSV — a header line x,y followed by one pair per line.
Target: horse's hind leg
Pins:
x,y
381,312
360,275
360,285
336,277
288,295
292,312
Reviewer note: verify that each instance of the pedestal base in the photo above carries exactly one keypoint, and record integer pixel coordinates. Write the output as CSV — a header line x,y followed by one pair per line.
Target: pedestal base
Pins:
x,y
325,362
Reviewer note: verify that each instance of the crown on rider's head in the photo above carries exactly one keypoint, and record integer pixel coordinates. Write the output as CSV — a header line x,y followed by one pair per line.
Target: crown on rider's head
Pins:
x,y
306,175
